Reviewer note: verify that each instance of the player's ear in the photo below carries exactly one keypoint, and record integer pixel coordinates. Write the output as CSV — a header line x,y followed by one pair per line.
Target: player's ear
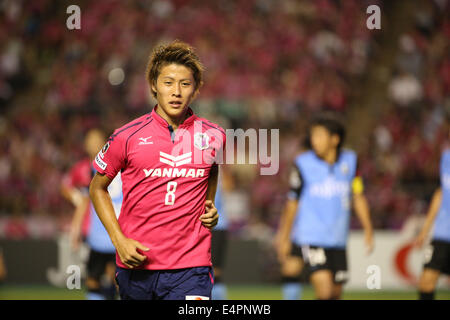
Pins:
x,y
196,92
153,87
335,139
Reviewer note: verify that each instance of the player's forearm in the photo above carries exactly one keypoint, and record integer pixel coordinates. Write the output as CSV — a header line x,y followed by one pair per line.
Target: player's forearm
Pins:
x,y
212,183
65,191
362,212
74,195
104,208
432,211
287,219
80,211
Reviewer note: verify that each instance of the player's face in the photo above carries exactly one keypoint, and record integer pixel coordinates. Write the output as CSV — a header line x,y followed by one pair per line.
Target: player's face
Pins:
x,y
175,89
322,141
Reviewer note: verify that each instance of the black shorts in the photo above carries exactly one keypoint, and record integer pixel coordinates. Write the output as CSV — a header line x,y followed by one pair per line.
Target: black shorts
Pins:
x,y
219,244
97,263
318,258
437,256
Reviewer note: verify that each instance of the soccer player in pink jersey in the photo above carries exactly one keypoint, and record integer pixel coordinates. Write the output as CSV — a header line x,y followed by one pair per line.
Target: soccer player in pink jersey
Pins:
x,y
168,161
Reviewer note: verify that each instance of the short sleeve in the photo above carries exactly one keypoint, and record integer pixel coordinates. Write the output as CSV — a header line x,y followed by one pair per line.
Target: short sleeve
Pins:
x,y
79,175
111,158
295,183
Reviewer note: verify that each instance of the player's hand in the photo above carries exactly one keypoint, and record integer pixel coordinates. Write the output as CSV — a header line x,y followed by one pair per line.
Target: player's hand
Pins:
x,y
368,240
420,240
128,254
283,248
211,217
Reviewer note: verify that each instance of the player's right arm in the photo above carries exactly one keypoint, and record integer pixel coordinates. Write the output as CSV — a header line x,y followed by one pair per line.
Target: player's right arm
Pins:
x,y
433,210
74,187
283,241
283,238
126,247
81,207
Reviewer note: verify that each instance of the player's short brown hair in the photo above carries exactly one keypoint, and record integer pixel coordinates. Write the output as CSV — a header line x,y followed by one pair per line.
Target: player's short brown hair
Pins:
x,y
176,52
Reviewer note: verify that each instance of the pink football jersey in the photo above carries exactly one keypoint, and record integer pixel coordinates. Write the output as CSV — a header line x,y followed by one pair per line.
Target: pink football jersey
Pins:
x,y
79,177
164,180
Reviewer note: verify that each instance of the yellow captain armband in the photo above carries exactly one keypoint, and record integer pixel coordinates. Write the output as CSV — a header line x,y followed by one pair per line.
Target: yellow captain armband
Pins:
x,y
357,185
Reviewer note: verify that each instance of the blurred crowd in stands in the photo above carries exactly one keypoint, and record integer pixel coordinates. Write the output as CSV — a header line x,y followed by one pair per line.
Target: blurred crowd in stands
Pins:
x,y
269,64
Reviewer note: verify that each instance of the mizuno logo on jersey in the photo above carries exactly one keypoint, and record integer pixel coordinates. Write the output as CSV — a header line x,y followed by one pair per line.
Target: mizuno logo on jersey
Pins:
x,y
144,141
175,161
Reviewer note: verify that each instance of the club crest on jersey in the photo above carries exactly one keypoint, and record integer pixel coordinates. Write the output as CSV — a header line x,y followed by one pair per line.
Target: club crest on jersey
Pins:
x,y
344,169
201,140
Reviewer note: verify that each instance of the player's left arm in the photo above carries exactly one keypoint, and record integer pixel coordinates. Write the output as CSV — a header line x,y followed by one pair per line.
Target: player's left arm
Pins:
x,y
362,211
211,217
75,192
77,220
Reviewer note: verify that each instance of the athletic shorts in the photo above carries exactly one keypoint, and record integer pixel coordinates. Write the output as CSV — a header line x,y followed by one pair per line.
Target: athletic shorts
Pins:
x,y
97,263
219,243
437,256
181,284
318,258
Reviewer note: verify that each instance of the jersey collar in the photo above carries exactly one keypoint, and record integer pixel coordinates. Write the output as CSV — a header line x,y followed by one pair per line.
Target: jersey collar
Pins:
x,y
187,122
338,158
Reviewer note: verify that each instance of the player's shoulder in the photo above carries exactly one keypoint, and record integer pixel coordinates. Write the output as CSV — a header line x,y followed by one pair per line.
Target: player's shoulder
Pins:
x,y
82,166
303,157
129,128
79,173
207,124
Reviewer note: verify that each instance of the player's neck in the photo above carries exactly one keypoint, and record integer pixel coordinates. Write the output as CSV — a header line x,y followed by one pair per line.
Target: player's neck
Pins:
x,y
331,156
174,122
